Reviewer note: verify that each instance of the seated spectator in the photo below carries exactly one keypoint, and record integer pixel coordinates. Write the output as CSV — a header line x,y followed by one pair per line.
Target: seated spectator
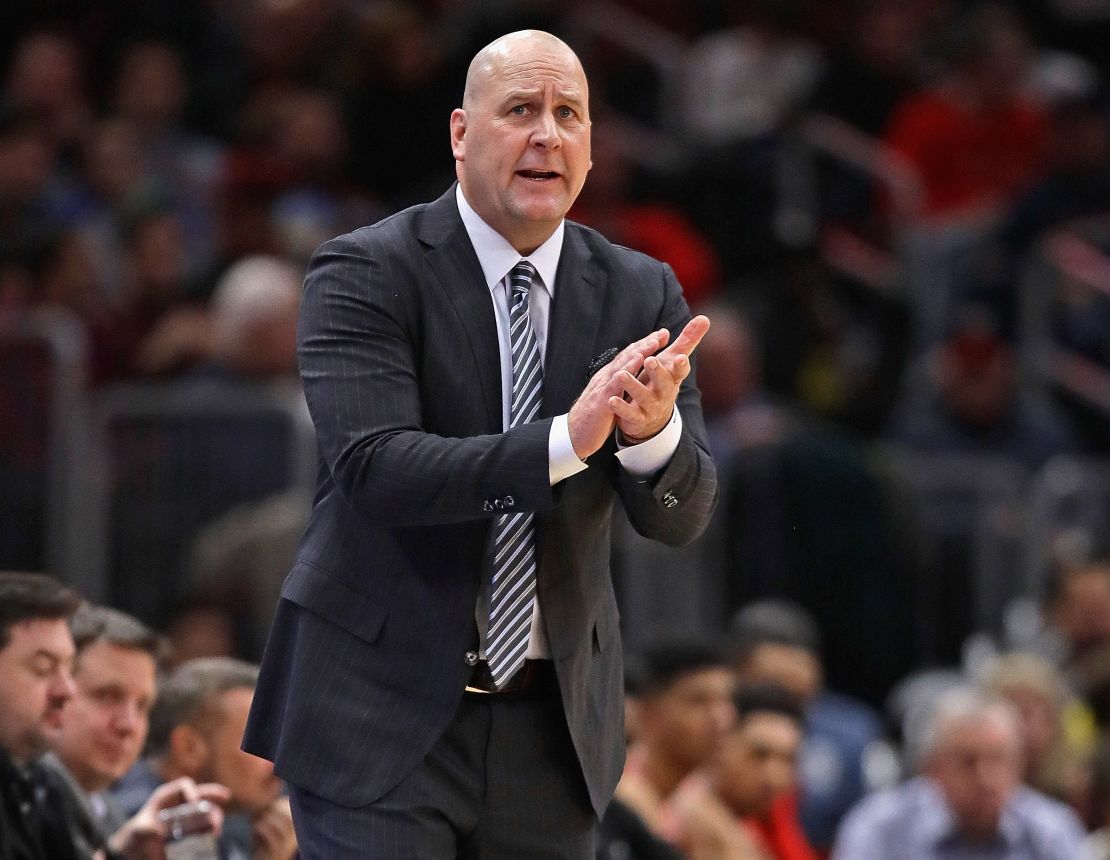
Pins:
x,y
1077,609
654,226
975,138
254,319
755,772
36,656
685,709
1054,763
972,403
196,727
745,81
968,800
777,642
36,683
102,729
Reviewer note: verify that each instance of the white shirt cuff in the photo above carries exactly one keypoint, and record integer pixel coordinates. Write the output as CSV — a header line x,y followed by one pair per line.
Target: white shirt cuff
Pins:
x,y
561,459
651,455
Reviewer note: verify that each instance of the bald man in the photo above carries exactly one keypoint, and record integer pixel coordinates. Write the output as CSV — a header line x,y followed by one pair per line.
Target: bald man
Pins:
x,y
443,676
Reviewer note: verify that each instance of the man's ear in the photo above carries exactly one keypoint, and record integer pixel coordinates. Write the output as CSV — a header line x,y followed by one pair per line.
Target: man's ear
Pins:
x,y
188,750
458,134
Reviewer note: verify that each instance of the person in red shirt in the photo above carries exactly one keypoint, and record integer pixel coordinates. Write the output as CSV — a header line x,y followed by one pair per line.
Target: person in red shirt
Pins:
x,y
754,772
974,139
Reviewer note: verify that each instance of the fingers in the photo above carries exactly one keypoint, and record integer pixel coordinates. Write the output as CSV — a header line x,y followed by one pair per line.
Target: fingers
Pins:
x,y
690,336
215,792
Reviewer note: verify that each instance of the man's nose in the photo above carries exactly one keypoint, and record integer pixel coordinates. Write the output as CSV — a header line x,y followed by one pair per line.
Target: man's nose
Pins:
x,y
546,132
127,718
63,687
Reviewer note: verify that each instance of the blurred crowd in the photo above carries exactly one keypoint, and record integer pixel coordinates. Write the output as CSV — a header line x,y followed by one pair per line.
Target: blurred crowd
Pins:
x,y
897,215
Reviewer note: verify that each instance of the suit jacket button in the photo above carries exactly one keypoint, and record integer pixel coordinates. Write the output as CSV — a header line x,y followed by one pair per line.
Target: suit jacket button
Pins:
x,y
471,658
487,506
509,501
500,505
669,499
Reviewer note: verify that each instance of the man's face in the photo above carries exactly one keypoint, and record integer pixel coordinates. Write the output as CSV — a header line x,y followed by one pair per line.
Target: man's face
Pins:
x,y
1081,612
35,682
977,766
688,720
104,727
522,144
757,762
250,779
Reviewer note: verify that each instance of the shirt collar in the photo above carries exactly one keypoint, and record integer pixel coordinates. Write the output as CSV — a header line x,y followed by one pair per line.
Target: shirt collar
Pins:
x,y
497,257
938,825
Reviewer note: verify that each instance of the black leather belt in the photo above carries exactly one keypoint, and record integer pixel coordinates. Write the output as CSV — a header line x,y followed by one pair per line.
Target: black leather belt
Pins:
x,y
533,675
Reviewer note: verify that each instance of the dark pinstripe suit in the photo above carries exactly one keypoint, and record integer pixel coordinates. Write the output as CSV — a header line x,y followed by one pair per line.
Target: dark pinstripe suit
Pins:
x,y
398,353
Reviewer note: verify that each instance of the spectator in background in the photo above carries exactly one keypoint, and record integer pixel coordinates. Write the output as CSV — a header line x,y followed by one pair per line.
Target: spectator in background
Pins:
x,y
972,402
743,82
195,731
777,642
685,710
1077,608
755,771
150,93
310,136
968,801
46,79
396,65
974,137
36,657
254,320
158,327
655,227
102,729
1054,764
30,208
870,73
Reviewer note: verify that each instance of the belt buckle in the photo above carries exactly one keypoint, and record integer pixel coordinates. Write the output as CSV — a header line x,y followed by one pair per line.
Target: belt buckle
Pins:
x,y
520,680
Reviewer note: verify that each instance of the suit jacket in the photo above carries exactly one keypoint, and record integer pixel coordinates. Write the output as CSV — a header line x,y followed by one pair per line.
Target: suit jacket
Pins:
x,y
367,656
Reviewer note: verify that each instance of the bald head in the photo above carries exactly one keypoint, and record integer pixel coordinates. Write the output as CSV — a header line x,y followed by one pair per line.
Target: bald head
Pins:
x,y
521,140
506,50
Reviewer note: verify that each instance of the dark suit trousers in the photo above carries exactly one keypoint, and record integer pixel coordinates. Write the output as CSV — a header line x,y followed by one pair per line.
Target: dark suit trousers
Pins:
x,y
503,783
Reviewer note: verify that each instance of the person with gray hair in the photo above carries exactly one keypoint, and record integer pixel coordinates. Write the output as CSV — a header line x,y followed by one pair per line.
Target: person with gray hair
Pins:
x,y
254,318
968,800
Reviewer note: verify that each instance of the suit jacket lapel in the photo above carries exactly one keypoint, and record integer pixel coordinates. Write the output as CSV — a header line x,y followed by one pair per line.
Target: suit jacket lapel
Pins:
x,y
573,324
452,259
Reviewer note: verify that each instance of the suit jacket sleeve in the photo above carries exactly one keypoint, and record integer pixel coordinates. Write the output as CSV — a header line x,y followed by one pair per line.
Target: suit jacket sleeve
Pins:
x,y
674,505
358,338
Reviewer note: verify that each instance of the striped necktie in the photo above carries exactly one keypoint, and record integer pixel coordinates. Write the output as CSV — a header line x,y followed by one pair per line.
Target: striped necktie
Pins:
x,y
513,585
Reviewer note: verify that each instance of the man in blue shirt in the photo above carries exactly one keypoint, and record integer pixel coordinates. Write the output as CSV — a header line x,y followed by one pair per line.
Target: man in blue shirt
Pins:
x,y
968,801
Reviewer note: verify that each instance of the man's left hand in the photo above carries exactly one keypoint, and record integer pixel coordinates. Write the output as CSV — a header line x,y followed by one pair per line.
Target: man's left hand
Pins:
x,y
650,397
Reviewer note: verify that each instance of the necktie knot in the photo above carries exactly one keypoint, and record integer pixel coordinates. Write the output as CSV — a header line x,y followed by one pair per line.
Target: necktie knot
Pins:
x,y
520,279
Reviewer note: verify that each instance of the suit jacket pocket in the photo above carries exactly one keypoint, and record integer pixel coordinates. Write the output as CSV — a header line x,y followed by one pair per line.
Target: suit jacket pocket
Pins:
x,y
337,601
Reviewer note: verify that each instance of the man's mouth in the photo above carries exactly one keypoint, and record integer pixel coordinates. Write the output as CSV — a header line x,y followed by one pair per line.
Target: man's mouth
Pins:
x,y
538,175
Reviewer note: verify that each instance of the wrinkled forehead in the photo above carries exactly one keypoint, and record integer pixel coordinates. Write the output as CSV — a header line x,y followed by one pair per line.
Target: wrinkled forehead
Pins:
x,y
536,69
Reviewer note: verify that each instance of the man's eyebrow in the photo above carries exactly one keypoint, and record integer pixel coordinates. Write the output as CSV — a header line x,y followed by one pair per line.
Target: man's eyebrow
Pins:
x,y
571,96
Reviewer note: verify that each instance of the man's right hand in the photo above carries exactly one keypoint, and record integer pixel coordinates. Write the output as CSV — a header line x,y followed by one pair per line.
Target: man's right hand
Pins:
x,y
143,836
591,421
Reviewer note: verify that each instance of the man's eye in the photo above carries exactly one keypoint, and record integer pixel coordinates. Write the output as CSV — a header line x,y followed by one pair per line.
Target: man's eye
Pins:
x,y
518,110
565,113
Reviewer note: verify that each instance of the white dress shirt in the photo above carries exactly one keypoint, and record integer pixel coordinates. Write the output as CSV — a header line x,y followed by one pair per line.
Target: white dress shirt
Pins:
x,y
497,258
